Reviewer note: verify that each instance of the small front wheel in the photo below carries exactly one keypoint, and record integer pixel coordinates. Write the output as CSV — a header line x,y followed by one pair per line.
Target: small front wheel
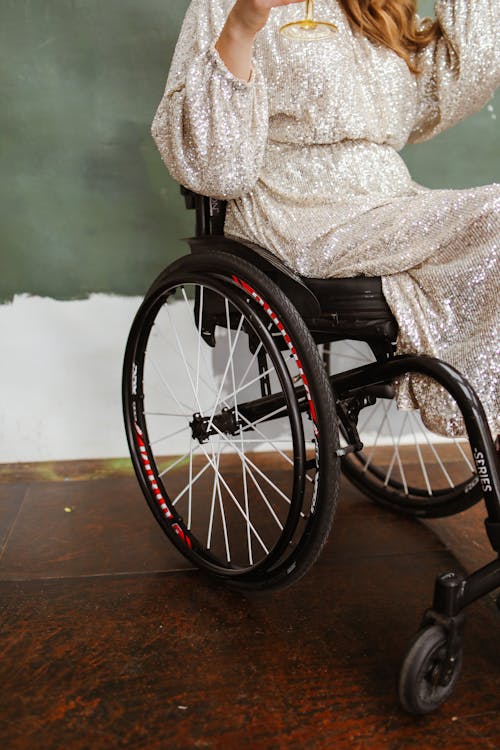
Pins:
x,y
427,677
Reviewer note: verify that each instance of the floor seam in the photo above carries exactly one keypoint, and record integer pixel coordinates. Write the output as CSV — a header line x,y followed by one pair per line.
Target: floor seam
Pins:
x,y
100,576
144,574
4,546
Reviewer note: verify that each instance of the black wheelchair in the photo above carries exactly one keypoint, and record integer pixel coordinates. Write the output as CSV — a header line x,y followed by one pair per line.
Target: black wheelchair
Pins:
x,y
248,389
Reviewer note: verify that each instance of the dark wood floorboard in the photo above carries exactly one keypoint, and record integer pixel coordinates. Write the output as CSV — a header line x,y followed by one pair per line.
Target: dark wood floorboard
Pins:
x,y
72,529
464,533
108,641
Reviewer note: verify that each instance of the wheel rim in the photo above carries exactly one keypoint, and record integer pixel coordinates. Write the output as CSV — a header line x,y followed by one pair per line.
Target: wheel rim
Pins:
x,y
403,464
217,496
430,690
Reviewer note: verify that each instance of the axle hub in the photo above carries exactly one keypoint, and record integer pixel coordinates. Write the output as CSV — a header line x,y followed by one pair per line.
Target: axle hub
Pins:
x,y
203,427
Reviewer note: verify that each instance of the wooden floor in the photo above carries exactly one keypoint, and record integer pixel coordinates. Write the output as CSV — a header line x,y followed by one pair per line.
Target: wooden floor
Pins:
x,y
109,640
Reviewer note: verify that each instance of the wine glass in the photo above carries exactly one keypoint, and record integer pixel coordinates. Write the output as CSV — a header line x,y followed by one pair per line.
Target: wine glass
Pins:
x,y
309,30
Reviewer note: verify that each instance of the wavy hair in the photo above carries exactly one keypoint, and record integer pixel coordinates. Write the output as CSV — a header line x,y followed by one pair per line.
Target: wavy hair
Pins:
x,y
392,23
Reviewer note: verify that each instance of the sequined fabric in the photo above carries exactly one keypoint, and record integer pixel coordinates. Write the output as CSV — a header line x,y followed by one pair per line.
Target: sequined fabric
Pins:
x,y
306,153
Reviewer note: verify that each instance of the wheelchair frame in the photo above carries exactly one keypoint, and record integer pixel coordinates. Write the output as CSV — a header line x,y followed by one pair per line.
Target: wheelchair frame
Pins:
x,y
451,597
359,314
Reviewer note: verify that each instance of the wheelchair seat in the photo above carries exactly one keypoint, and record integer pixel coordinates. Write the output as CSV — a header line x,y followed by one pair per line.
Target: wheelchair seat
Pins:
x,y
353,308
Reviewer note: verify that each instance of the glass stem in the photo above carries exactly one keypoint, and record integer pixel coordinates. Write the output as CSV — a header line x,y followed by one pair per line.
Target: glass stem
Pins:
x,y
309,10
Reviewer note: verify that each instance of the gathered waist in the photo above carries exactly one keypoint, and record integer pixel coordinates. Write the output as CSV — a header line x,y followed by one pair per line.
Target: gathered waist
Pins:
x,y
342,168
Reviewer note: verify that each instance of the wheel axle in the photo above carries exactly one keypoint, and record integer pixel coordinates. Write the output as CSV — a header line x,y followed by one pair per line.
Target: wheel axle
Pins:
x,y
203,427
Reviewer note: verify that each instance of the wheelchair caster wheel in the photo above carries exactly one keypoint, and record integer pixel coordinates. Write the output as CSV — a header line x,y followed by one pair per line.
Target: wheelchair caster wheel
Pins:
x,y
428,676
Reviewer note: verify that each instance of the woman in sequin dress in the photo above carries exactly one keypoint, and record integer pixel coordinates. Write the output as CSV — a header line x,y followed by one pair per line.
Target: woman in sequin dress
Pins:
x,y
304,146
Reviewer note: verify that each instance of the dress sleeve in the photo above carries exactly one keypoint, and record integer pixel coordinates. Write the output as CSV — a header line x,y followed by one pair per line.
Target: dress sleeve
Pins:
x,y
210,127
461,69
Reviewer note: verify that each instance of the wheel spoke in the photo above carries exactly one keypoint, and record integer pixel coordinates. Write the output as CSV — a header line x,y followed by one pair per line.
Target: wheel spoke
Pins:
x,y
212,503
223,378
254,357
170,435
352,357
374,446
247,385
361,356
183,357
164,414
177,462
180,404
201,379
251,363
458,445
200,315
396,444
259,471
418,474
273,443
252,425
190,484
438,459
369,417
190,493
191,315
236,416
263,441
281,410
235,501
217,492
395,455
266,501
420,457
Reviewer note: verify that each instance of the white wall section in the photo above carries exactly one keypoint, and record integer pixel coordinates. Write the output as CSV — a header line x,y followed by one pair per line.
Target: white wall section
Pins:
x,y
61,377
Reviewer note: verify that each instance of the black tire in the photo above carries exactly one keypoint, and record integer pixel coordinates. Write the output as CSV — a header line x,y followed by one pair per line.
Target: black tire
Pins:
x,y
233,302
421,688
418,474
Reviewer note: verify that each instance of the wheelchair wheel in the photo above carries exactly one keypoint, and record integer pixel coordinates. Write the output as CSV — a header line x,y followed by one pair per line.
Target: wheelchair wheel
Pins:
x,y
426,681
403,465
231,422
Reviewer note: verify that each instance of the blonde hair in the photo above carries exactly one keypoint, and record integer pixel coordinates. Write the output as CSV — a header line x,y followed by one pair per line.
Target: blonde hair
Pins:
x,y
392,23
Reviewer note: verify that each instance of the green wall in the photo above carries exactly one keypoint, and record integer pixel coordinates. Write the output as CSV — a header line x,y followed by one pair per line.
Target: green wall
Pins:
x,y
85,202
464,156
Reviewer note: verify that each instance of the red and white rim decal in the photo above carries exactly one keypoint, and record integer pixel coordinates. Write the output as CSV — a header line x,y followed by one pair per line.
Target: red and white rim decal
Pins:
x,y
156,490
279,325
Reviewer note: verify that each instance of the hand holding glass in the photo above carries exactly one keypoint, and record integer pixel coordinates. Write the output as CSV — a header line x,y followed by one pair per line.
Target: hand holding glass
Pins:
x,y
309,30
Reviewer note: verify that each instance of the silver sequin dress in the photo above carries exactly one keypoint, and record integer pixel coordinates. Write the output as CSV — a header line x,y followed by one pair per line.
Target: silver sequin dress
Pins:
x,y
306,153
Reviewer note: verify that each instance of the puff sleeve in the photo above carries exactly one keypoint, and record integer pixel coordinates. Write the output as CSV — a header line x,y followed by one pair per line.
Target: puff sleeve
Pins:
x,y
461,69
210,127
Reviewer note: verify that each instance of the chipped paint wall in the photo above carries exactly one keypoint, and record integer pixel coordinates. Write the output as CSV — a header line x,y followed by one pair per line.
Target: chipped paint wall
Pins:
x,y
89,215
